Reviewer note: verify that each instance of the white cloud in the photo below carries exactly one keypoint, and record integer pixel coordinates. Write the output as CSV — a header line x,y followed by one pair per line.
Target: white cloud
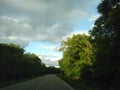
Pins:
x,y
50,59
51,48
75,32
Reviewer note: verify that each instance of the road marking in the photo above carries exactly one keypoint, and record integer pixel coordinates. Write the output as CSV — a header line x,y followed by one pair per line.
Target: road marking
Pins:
x,y
42,84
65,84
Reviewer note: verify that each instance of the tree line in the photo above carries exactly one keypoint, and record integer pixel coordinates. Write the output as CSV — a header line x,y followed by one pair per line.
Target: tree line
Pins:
x,y
95,58
16,64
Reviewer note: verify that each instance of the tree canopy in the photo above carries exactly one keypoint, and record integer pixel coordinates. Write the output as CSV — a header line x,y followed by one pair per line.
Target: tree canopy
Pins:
x,y
16,64
77,55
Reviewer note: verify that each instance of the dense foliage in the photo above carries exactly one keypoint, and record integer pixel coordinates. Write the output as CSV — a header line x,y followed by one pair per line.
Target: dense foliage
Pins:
x,y
106,33
16,64
78,55
96,56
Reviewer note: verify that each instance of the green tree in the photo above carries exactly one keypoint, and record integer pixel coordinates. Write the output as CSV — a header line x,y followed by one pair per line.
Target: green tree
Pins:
x,y
106,34
106,40
33,65
16,64
77,55
10,55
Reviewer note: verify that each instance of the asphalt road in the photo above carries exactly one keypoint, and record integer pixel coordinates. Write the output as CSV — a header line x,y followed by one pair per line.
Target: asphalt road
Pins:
x,y
47,82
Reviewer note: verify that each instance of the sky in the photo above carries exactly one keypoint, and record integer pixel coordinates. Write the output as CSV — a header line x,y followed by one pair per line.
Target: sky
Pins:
x,y
41,25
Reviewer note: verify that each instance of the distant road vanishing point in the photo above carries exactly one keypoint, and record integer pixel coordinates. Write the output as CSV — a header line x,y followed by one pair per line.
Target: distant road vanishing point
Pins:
x,y
46,82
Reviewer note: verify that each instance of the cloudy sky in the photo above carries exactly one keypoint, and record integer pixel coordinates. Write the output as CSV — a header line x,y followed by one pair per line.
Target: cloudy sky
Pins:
x,y
40,25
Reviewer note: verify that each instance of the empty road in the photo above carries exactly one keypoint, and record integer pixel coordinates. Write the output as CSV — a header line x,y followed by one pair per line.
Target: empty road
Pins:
x,y
47,82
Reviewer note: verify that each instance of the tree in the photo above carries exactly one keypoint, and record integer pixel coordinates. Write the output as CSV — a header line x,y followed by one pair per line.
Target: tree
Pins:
x,y
106,33
10,55
15,64
77,55
106,40
32,65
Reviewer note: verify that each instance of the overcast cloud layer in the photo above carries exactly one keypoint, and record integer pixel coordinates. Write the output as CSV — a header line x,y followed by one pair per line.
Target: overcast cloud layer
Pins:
x,y
51,21
23,21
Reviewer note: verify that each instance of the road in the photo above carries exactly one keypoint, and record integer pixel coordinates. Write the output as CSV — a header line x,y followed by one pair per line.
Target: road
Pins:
x,y
47,82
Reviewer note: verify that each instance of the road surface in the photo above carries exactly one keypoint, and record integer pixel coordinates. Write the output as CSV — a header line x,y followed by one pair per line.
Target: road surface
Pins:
x,y
47,82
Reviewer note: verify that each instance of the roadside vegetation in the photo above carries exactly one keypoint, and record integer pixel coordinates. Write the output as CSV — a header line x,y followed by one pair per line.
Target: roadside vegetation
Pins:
x,y
92,62
16,65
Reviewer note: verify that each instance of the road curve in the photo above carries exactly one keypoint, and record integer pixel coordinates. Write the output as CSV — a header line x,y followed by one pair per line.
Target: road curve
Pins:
x,y
46,82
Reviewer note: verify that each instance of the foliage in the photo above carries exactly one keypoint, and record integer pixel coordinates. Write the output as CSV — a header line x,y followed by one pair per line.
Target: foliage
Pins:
x,y
16,64
77,55
52,70
106,33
